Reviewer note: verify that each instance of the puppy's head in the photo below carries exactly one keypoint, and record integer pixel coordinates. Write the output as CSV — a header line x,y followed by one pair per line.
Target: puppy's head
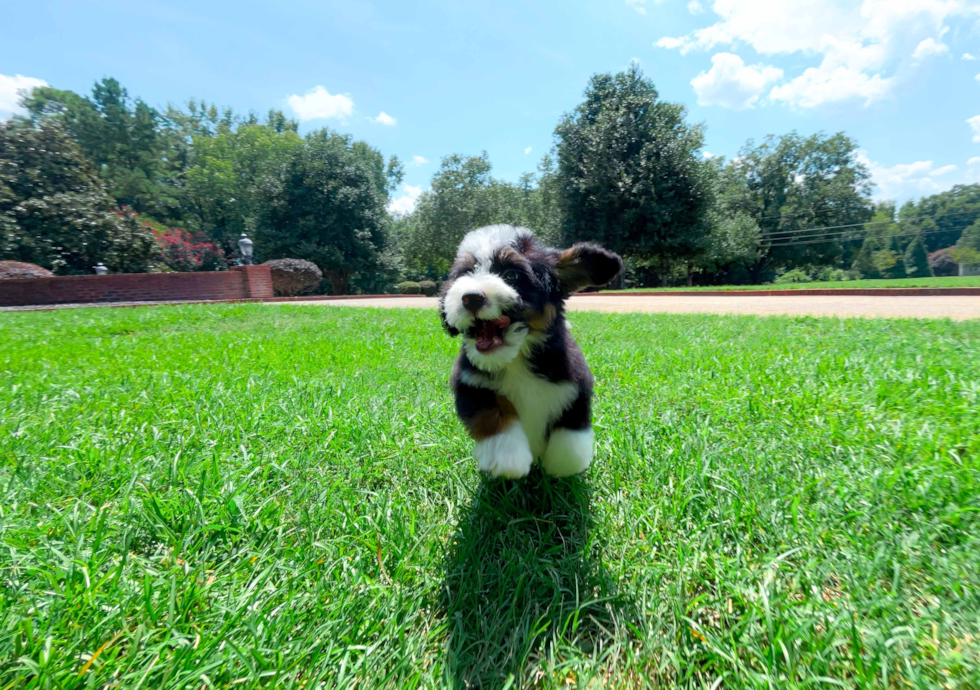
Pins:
x,y
506,290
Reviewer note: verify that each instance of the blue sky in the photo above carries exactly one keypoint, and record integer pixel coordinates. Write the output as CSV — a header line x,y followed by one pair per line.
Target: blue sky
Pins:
x,y
426,79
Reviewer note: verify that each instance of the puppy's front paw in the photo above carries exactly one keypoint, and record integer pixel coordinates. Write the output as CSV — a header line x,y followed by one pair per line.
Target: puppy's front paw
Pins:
x,y
569,452
506,454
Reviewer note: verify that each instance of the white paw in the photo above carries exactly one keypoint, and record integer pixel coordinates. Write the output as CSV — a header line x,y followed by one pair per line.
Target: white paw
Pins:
x,y
569,452
506,454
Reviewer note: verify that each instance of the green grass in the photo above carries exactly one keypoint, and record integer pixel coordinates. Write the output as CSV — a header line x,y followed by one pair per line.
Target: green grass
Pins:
x,y
952,281
246,496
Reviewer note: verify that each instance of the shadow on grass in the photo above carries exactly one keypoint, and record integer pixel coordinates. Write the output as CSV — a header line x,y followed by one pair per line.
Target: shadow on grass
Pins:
x,y
524,586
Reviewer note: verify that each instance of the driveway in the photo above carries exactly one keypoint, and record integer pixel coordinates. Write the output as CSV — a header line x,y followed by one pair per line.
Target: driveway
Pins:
x,y
957,307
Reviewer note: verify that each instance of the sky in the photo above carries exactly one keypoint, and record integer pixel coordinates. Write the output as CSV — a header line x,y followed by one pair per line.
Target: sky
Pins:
x,y
422,80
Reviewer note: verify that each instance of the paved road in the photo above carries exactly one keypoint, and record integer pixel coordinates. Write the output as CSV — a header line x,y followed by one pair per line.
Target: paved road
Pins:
x,y
953,307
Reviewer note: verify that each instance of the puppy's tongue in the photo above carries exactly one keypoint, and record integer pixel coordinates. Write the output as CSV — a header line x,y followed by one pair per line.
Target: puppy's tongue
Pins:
x,y
490,334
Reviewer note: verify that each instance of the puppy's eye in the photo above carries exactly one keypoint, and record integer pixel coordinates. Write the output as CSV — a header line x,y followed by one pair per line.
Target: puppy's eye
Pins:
x,y
512,276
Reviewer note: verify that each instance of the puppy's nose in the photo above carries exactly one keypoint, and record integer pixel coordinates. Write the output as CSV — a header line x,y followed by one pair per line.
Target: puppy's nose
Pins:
x,y
473,301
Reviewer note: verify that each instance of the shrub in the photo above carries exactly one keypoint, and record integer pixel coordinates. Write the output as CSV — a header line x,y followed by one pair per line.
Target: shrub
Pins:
x,y
291,277
837,275
13,270
408,287
428,287
183,251
942,262
797,275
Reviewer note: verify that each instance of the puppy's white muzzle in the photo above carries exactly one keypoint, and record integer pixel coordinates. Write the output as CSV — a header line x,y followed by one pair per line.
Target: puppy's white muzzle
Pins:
x,y
498,294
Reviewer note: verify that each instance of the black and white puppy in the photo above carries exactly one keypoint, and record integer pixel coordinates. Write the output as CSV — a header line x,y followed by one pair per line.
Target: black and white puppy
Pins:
x,y
522,387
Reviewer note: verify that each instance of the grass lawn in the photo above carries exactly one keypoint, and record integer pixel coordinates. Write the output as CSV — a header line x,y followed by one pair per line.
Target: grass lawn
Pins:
x,y
952,281
245,496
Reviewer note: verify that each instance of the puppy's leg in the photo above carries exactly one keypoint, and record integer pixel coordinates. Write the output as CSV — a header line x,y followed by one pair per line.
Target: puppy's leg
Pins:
x,y
572,441
501,447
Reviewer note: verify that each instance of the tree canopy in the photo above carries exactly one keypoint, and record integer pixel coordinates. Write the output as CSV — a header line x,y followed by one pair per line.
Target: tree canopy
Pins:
x,y
630,174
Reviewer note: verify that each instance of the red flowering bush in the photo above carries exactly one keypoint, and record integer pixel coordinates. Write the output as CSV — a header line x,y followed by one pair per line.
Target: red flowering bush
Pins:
x,y
182,250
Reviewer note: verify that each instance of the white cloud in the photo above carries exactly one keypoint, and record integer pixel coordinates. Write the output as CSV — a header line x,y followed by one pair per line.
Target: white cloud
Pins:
x,y
317,104
419,161
405,203
695,7
907,180
974,123
638,5
384,118
527,150
11,89
670,43
974,161
928,48
861,46
641,10
707,154
977,77
968,56
731,83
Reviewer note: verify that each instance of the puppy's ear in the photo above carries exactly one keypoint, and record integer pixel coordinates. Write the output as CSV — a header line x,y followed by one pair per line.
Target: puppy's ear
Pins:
x,y
586,264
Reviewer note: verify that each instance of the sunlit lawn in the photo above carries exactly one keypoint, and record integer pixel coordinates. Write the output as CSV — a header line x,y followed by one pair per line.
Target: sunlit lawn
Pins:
x,y
254,496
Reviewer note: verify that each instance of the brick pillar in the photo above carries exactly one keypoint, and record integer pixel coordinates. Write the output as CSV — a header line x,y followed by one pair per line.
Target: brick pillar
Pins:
x,y
256,281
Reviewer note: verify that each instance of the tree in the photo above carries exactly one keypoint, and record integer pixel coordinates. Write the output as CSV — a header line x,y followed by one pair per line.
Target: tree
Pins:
x,y
464,196
328,207
967,249
793,184
123,138
630,174
56,213
941,219
234,175
917,259
892,265
864,262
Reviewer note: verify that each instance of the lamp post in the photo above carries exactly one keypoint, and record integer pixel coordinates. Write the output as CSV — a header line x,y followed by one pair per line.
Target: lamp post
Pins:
x,y
245,247
100,270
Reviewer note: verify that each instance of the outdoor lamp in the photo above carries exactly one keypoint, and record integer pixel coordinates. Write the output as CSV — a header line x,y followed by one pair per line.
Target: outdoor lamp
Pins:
x,y
245,247
100,269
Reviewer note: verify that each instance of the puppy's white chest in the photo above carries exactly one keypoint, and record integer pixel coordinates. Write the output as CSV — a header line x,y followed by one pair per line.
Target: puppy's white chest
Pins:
x,y
537,400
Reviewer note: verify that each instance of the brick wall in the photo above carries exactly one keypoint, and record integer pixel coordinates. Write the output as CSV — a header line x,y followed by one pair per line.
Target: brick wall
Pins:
x,y
241,282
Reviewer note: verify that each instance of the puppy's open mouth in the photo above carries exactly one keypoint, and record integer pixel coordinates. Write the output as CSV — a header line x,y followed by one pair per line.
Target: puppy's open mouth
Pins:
x,y
489,335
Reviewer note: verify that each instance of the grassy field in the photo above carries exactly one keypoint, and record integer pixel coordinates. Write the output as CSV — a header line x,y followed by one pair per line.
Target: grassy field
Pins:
x,y
246,496
953,281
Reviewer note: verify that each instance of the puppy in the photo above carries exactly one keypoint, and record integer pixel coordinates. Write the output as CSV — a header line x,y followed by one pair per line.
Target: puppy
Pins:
x,y
522,387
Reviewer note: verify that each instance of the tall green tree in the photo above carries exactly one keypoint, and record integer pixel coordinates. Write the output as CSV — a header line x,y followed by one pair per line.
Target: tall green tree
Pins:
x,y
940,219
916,259
55,211
233,176
463,196
329,207
122,137
793,184
630,173
967,249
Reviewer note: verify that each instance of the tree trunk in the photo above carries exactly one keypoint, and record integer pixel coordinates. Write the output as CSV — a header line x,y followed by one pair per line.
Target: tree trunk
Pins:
x,y
339,281
690,274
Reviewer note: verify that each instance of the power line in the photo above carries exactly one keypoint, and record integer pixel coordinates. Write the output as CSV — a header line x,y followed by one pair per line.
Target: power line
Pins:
x,y
834,237
803,231
837,237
